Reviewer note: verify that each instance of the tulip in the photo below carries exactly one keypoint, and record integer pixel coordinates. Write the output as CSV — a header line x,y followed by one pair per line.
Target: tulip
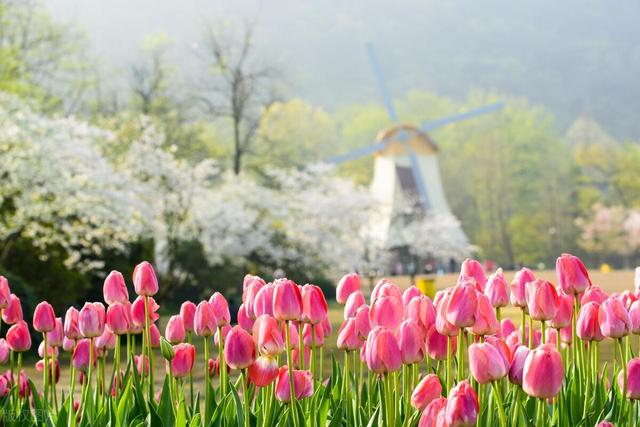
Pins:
x,y
318,334
13,313
267,335
384,288
434,414
437,344
614,319
145,281
295,354
44,319
71,328
543,373
50,350
91,320
605,424
68,345
263,302
224,331
442,324
517,364
188,313
542,300
588,326
303,385
382,351
53,372
80,358
363,324
264,371
462,406
573,277
411,341
634,317
314,305
421,310
118,318
427,390
106,341
462,306
183,360
636,281
220,309
518,285
244,320
250,280
486,322
327,330
4,386
54,337
355,301
497,289
287,300
5,293
564,314
506,327
204,320
294,338
627,298
593,294
348,338
410,293
486,364
4,351
633,379
349,284
473,269
142,364
249,294
174,331
138,311
386,312
115,289
239,351
18,337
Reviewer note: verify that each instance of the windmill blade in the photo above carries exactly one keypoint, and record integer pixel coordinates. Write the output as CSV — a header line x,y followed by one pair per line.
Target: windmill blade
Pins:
x,y
427,126
384,90
358,152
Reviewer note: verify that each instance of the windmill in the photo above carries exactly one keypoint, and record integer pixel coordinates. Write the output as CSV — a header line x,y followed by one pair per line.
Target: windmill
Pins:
x,y
406,161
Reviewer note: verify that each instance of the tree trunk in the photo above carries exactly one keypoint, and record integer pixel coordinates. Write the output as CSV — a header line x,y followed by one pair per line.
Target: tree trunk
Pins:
x,y
238,151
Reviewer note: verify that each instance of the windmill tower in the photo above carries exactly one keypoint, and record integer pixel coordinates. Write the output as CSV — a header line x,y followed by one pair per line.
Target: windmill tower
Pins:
x,y
406,163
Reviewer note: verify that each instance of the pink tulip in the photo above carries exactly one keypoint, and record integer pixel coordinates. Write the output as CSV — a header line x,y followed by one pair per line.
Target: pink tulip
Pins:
x,y
239,350
633,379
543,373
421,310
145,281
13,313
154,335
53,374
18,337
462,406
293,333
542,300
363,324
434,414
486,322
593,294
264,371
267,335
636,281
68,344
114,289
437,344
244,320
314,305
91,320
317,331
188,313
142,364
80,356
106,341
183,360
588,326
614,319
517,364
497,289
442,323
295,356
605,424
463,304
71,328
506,327
564,315
263,302
627,298
411,340
518,286
54,337
486,364
4,293
410,293
427,390
349,284
348,338
4,387
174,331
355,301
573,277
220,308
473,269
44,319
4,351
382,351
225,331
287,300
118,318
204,320
566,335
634,317
302,385
249,294
327,330
386,312
138,311
51,351
385,288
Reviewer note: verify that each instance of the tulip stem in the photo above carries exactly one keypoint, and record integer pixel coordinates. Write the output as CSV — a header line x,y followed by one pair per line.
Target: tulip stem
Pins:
x,y
498,314
449,357
45,392
313,352
19,381
624,382
206,372
531,332
222,364
523,322
287,335
300,347
499,404
245,393
147,331
191,373
540,413
53,382
345,385
116,368
459,361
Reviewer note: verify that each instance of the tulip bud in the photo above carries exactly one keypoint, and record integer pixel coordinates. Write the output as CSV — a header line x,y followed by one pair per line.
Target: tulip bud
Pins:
x,y
387,312
593,294
542,300
614,319
355,301
486,364
184,356
348,338
44,319
187,313
80,358
543,372
437,344
4,351
314,305
204,320
71,328
506,327
363,324
267,335
154,335
54,337
263,302
634,317
382,351
106,341
573,277
434,414
564,315
385,288
18,337
317,331
244,320
462,405
349,284
287,300
13,313
486,322
633,379
588,326
239,350
302,385
4,293
145,281
410,293
411,341
114,289
463,304
263,371
91,320
518,286
166,349
517,365
473,269
421,310
174,330
220,309
427,390
442,323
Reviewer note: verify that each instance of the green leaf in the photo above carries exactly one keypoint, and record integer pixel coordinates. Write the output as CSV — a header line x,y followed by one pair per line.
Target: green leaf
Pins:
x,y
165,407
238,404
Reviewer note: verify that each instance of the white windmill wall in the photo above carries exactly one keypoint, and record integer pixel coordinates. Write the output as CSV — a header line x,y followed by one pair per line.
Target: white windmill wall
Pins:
x,y
431,178
383,188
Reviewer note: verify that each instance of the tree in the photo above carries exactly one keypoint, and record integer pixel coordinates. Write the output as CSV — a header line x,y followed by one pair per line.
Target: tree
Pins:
x,y
235,87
